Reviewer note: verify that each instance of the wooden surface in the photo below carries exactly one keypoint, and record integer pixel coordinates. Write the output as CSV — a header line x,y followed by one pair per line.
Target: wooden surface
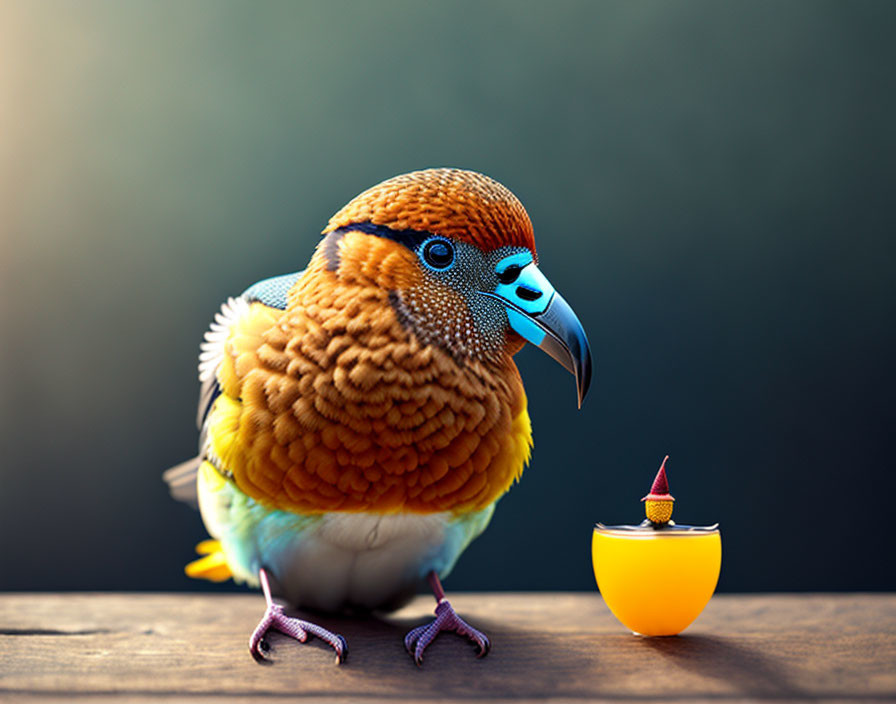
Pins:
x,y
567,647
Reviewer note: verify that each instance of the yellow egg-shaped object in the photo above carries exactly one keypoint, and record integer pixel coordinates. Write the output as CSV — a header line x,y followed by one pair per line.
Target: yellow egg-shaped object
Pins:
x,y
656,582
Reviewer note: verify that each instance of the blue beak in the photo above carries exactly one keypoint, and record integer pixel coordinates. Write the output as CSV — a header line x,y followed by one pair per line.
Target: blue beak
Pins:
x,y
540,315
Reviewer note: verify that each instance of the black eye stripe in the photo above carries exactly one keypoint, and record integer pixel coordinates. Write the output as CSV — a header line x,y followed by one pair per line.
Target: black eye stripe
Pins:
x,y
412,239
437,252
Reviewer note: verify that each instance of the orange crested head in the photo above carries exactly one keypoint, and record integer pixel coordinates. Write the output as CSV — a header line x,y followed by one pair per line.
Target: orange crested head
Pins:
x,y
450,254
463,205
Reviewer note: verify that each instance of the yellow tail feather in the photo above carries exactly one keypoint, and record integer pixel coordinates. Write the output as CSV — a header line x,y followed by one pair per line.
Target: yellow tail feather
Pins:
x,y
213,566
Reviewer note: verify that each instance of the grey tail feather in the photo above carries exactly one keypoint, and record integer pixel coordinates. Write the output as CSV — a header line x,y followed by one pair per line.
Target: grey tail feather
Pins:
x,y
181,480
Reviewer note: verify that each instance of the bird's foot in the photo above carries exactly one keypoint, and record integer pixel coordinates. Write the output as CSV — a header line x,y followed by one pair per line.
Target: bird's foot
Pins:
x,y
446,620
275,619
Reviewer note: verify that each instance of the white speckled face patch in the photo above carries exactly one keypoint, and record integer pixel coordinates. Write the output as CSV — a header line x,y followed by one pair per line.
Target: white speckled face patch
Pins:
x,y
449,310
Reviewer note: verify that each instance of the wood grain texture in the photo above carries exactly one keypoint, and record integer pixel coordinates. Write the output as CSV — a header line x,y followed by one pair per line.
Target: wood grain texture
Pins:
x,y
138,647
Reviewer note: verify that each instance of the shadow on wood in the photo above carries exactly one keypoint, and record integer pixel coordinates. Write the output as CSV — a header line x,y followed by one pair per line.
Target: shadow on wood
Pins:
x,y
523,663
749,671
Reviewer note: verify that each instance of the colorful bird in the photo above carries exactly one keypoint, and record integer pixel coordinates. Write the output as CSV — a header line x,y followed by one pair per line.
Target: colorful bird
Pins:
x,y
361,418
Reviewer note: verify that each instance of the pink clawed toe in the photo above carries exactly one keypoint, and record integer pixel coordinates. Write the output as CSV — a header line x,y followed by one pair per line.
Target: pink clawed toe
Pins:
x,y
446,620
276,619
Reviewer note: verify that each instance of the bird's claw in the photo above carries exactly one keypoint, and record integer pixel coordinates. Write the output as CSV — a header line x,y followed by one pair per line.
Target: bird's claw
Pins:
x,y
275,619
417,640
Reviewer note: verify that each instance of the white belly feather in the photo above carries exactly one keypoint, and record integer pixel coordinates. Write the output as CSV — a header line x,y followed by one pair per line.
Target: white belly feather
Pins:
x,y
335,560
367,560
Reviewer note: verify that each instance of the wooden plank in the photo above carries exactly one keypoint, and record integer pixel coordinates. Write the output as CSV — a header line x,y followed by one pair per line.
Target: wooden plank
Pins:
x,y
138,647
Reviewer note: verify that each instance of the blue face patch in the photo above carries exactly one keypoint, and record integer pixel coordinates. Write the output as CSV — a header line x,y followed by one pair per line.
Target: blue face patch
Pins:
x,y
525,326
521,283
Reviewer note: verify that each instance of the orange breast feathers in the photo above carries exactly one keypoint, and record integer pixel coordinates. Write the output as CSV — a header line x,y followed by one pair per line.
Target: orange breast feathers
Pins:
x,y
333,405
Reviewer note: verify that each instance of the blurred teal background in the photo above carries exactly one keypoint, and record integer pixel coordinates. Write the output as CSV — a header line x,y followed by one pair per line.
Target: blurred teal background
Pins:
x,y
712,187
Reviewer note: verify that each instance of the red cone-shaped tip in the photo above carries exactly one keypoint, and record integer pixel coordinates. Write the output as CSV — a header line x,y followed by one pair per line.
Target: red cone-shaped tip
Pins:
x,y
660,489
660,484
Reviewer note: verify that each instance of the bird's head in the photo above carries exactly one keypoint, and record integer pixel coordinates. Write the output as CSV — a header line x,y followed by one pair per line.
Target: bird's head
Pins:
x,y
456,252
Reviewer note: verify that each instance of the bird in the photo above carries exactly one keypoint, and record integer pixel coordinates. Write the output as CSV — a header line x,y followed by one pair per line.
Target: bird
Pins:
x,y
360,419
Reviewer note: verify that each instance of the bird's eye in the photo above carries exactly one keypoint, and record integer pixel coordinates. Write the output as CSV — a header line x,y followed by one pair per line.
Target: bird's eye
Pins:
x,y
438,254
510,274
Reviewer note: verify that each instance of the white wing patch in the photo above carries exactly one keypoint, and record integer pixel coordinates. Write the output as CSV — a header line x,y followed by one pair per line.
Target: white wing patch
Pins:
x,y
182,478
212,349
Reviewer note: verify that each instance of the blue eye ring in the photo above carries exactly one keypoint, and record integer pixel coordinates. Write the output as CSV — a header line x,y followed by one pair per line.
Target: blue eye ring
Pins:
x,y
437,253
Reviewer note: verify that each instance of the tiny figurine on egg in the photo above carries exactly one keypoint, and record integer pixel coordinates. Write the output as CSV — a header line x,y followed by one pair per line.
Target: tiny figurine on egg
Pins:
x,y
656,577
658,503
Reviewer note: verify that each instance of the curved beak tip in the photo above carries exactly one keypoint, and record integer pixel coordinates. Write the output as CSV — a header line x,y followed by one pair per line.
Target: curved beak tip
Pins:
x,y
583,378
566,342
554,329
